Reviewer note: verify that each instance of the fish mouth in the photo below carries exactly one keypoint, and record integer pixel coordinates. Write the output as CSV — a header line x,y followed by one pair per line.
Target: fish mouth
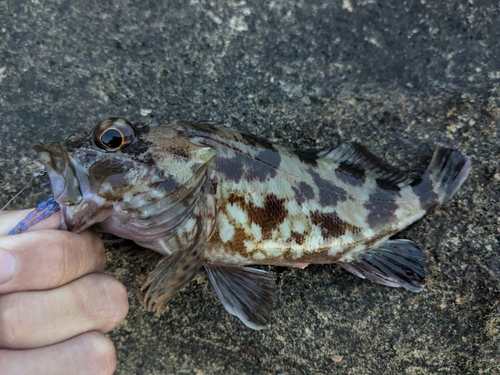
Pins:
x,y
71,188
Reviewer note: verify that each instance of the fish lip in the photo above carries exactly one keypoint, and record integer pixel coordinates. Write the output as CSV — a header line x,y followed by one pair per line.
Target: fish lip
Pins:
x,y
61,171
67,179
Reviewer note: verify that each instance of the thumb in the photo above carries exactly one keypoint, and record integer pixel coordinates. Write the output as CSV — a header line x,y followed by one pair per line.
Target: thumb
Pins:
x,y
9,219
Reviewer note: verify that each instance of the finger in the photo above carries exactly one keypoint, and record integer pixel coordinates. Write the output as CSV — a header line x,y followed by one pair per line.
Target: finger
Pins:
x,y
47,259
88,354
9,219
96,302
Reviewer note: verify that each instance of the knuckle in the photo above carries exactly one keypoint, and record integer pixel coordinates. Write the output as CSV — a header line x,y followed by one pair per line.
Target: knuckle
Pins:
x,y
68,255
93,241
98,249
101,353
94,248
85,250
86,240
69,242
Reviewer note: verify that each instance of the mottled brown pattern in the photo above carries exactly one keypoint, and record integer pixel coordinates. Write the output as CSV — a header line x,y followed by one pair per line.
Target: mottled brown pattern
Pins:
x,y
137,148
297,237
237,199
179,151
214,185
122,187
139,151
268,217
112,197
331,225
234,246
105,169
318,256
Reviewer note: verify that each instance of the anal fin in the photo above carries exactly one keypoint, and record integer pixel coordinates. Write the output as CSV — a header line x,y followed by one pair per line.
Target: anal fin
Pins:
x,y
395,263
245,292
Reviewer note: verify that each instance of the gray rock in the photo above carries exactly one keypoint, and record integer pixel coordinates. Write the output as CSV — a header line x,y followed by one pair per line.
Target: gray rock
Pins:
x,y
396,75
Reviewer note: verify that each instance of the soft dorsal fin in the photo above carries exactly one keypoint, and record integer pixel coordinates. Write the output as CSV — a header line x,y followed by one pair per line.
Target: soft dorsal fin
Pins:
x,y
395,263
355,158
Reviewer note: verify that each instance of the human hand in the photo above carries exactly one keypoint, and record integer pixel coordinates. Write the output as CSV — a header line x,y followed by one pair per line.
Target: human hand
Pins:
x,y
56,303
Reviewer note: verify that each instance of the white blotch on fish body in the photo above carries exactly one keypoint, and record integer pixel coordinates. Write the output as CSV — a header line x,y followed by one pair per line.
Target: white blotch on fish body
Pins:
x,y
236,213
256,232
299,226
259,256
249,245
297,251
226,230
285,229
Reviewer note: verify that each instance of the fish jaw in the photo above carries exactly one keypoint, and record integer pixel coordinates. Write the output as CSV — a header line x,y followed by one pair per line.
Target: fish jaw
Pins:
x,y
80,217
80,207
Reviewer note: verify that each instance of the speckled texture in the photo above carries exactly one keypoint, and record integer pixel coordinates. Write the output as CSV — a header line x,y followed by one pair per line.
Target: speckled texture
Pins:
x,y
395,75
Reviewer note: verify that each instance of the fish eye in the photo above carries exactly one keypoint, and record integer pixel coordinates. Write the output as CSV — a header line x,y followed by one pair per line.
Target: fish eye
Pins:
x,y
113,134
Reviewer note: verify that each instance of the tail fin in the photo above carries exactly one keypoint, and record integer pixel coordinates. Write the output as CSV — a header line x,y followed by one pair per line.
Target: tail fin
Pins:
x,y
447,171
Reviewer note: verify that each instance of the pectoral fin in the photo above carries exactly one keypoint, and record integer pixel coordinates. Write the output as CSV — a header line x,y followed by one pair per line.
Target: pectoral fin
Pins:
x,y
245,292
172,274
177,269
395,263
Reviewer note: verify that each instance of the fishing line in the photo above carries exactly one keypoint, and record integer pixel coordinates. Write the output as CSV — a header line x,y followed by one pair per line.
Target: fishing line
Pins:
x,y
35,175
42,211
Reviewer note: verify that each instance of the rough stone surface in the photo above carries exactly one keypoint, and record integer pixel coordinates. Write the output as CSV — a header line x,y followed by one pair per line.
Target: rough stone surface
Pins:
x,y
396,75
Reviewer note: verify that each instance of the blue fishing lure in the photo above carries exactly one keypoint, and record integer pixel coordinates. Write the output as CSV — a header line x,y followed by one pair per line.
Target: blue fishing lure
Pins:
x,y
44,210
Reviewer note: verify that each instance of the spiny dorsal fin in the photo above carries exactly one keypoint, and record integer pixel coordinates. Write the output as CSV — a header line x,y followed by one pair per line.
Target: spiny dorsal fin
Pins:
x,y
355,158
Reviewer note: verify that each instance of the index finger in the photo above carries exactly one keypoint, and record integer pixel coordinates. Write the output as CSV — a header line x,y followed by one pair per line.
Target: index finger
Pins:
x,y
47,259
9,219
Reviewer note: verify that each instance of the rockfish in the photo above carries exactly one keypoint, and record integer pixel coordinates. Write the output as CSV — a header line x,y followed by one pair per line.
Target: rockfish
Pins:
x,y
205,195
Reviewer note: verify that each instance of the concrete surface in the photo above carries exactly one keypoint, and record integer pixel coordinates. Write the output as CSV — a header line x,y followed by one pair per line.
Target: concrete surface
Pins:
x,y
396,75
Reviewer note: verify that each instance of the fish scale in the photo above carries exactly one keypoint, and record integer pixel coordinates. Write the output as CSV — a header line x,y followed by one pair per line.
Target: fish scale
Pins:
x,y
206,195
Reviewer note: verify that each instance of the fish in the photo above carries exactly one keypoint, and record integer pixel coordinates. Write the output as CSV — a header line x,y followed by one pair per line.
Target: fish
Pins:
x,y
204,195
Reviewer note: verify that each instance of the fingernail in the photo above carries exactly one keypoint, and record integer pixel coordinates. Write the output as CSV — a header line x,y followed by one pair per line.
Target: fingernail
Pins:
x,y
7,266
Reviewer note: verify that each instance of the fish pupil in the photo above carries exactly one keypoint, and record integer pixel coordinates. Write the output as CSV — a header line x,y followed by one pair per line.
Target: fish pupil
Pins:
x,y
112,138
